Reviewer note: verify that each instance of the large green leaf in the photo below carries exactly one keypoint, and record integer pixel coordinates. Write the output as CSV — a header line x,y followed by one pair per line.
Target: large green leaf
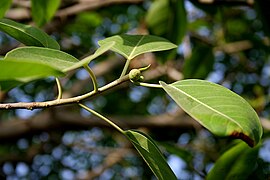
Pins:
x,y
22,70
4,6
54,58
236,163
217,108
27,34
99,51
151,154
131,46
43,11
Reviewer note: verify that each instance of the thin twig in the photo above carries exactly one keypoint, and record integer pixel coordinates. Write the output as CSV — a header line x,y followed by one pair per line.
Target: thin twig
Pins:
x,y
59,88
93,77
57,102
102,117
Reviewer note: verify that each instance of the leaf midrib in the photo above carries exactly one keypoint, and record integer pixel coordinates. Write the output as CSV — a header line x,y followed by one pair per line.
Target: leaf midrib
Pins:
x,y
22,30
132,52
229,118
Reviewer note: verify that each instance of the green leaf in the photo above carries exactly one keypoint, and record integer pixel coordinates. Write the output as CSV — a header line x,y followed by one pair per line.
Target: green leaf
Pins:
x,y
25,70
99,51
236,163
172,24
7,85
151,154
131,46
43,11
27,34
200,63
156,23
217,108
179,21
4,6
57,59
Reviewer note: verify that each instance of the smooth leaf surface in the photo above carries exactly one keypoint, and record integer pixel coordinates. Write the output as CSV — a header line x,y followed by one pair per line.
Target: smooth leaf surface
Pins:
x,y
51,57
43,11
14,69
236,163
131,46
99,51
151,154
27,34
217,108
4,6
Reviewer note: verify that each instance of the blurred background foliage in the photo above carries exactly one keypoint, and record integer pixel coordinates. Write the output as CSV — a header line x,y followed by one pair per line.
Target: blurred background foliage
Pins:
x,y
226,42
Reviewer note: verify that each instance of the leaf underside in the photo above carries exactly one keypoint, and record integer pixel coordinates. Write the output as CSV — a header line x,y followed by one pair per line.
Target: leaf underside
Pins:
x,y
151,154
131,46
27,34
218,109
51,57
24,69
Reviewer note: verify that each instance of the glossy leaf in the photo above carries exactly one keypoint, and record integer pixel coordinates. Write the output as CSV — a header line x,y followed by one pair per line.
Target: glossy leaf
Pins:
x,y
4,6
131,46
151,154
27,34
43,11
14,69
99,51
51,57
217,108
236,163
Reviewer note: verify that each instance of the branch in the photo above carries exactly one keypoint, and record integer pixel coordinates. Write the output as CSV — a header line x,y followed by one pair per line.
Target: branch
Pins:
x,y
57,102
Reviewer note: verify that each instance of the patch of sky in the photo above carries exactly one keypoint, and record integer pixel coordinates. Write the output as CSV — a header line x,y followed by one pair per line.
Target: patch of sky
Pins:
x,y
184,139
156,106
67,174
82,74
137,93
23,143
264,151
22,169
84,112
8,168
25,114
178,167
58,152
193,13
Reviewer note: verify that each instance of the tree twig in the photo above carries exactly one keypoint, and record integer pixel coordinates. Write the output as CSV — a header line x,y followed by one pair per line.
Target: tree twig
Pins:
x,y
57,102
